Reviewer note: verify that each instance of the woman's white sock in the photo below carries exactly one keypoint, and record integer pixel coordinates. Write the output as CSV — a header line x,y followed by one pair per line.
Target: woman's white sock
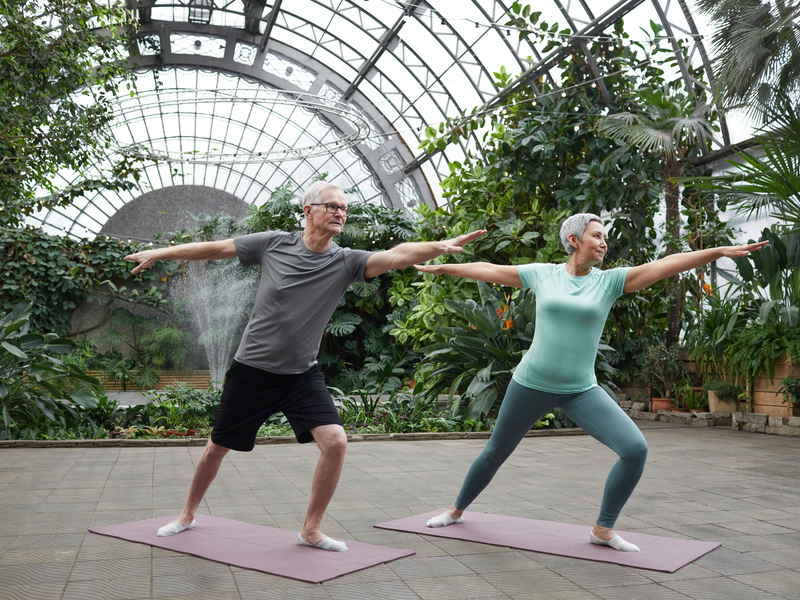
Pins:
x,y
173,528
616,542
327,543
443,520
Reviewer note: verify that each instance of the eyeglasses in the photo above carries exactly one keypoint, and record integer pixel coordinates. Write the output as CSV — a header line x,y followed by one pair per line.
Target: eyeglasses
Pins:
x,y
332,208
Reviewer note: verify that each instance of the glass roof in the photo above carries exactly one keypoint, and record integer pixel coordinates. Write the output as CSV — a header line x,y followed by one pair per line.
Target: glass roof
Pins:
x,y
401,66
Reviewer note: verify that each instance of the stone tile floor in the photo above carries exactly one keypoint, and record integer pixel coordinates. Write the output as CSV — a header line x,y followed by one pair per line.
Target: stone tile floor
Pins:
x,y
742,489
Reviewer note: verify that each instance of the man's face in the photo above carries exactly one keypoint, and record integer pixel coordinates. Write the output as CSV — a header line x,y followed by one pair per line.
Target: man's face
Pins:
x,y
322,220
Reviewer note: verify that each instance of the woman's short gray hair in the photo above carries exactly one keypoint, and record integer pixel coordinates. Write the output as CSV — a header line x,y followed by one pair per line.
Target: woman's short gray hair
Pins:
x,y
313,194
576,225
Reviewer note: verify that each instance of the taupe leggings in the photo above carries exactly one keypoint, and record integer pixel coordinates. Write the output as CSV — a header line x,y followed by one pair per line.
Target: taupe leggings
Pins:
x,y
594,411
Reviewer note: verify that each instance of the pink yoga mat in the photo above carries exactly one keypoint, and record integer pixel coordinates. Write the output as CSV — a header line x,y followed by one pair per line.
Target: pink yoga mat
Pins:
x,y
656,553
255,547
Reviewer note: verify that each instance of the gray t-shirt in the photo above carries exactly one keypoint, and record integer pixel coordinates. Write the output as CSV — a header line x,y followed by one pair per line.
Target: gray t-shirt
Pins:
x,y
298,292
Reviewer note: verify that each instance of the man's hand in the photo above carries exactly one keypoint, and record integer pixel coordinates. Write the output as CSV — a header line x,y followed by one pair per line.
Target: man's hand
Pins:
x,y
455,245
411,253
145,258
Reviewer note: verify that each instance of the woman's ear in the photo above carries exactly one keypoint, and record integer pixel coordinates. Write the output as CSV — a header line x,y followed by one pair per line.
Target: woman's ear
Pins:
x,y
573,239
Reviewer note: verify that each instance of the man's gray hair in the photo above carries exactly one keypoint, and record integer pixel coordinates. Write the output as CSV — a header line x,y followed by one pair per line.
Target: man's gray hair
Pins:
x,y
314,192
576,225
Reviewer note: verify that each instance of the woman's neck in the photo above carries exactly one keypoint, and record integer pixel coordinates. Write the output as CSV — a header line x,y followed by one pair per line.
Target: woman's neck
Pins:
x,y
576,266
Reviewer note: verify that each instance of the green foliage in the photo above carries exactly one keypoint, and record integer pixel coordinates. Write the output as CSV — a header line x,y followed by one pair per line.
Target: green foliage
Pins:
x,y
33,382
663,367
179,407
399,413
759,43
727,391
765,181
483,347
790,389
759,346
55,274
721,322
61,64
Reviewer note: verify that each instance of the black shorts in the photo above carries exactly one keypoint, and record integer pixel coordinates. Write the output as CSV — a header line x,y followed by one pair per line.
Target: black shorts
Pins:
x,y
250,396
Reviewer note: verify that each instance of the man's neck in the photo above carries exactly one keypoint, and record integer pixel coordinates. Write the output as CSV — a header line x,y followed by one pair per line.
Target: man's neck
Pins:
x,y
316,242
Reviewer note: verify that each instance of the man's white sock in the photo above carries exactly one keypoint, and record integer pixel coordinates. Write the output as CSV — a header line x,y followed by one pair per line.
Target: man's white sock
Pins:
x,y
616,542
443,520
327,543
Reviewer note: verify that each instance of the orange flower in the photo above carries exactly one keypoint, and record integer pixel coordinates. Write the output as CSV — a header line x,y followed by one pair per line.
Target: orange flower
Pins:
x,y
508,324
499,314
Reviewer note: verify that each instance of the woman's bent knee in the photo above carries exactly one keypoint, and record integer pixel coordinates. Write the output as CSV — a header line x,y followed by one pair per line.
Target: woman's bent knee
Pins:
x,y
636,452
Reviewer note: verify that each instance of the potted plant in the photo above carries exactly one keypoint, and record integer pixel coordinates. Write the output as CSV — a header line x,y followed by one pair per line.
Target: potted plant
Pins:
x,y
662,369
722,395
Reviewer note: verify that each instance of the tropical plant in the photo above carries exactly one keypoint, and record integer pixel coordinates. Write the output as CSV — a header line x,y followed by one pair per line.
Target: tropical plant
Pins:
x,y
32,380
721,321
758,48
674,127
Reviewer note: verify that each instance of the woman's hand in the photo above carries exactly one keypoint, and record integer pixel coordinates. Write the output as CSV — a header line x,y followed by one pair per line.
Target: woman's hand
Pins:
x,y
432,269
739,251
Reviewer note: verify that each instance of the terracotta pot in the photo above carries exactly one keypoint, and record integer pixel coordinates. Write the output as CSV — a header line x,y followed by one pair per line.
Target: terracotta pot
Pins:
x,y
657,404
188,432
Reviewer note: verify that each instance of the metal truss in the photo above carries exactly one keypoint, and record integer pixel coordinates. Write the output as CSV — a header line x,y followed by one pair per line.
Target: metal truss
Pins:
x,y
401,65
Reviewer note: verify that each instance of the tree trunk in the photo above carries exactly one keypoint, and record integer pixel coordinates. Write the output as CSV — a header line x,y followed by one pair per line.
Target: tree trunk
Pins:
x,y
673,202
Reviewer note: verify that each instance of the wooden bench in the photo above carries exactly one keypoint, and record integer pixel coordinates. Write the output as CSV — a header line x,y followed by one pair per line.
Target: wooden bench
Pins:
x,y
198,380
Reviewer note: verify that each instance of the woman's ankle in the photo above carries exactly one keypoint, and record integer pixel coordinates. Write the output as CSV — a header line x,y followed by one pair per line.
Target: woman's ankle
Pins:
x,y
455,513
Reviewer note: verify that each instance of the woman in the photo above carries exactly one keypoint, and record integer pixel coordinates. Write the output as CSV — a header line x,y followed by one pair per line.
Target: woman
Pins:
x,y
572,304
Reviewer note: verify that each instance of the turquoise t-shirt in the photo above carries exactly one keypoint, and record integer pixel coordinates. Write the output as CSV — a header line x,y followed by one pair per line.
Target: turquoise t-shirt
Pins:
x,y
571,312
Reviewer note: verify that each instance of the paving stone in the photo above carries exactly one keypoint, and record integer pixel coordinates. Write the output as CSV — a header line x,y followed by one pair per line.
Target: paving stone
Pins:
x,y
718,588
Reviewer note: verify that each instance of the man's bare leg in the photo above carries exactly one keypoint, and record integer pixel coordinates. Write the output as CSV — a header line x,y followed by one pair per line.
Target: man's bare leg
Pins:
x,y
332,443
205,471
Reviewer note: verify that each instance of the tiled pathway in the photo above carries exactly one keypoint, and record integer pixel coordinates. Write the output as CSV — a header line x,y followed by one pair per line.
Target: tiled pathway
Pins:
x,y
741,489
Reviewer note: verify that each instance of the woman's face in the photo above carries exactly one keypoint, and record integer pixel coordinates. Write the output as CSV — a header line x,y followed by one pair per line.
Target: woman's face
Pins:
x,y
593,248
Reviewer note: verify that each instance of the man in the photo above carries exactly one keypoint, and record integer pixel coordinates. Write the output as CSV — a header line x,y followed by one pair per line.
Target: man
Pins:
x,y
304,276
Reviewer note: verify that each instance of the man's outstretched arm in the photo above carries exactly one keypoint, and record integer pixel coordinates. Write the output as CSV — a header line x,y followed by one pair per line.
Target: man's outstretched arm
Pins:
x,y
194,251
411,253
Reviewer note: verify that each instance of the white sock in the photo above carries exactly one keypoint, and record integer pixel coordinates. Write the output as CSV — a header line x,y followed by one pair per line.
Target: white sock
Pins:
x,y
173,528
443,520
327,543
616,542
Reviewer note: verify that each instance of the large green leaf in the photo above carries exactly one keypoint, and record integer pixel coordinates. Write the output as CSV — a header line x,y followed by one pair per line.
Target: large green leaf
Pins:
x,y
14,350
489,327
84,399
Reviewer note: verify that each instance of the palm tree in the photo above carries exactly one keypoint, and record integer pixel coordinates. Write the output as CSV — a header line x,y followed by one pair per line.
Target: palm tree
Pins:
x,y
766,181
757,45
671,126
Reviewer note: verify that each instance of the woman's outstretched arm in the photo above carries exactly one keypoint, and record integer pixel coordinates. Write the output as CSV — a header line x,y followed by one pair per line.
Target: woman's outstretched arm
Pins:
x,y
645,275
502,274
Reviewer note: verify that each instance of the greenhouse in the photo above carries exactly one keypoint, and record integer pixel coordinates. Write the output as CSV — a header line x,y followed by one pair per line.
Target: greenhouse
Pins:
x,y
278,271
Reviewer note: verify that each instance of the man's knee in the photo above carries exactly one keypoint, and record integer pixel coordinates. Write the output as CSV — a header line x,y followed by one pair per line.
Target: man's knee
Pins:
x,y
215,451
332,440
